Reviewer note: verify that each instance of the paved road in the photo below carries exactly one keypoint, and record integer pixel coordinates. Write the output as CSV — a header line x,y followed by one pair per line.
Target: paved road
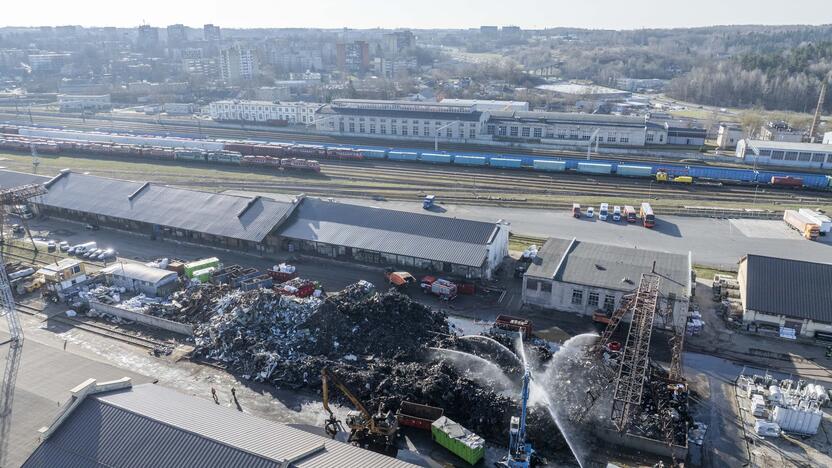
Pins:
x,y
715,242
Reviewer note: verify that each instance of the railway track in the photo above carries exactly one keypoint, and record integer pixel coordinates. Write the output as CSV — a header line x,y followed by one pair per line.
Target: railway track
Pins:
x,y
98,329
215,130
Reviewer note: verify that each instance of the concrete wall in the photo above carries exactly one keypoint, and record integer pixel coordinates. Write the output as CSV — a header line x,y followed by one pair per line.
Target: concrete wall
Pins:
x,y
149,320
641,444
498,250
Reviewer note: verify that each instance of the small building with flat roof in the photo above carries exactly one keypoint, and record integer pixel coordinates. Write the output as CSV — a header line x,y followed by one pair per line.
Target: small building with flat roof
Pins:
x,y
584,277
140,278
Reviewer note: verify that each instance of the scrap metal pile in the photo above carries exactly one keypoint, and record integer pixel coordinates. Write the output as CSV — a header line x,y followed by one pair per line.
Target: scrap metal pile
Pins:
x,y
377,343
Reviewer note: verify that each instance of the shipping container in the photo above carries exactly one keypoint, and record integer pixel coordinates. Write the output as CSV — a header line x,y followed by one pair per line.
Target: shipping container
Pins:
x,y
373,153
509,163
549,165
197,265
594,168
804,420
514,324
402,156
418,416
458,440
634,171
803,225
435,158
469,160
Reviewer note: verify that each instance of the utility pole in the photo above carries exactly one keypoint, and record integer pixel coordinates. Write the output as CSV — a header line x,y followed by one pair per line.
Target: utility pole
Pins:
x,y
589,143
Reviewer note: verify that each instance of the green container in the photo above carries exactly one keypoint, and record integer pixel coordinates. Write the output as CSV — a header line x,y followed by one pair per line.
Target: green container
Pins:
x,y
192,267
460,441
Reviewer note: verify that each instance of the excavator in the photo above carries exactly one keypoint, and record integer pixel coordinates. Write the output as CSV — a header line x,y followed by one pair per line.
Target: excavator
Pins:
x,y
377,432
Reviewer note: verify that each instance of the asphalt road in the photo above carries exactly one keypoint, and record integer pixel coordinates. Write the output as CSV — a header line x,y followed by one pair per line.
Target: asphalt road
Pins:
x,y
713,242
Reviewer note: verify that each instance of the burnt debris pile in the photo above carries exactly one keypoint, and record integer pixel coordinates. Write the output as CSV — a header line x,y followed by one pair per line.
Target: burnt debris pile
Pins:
x,y
377,343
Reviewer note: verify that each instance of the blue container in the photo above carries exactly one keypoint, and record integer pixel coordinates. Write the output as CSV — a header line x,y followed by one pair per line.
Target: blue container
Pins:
x,y
435,158
549,165
469,160
402,156
509,163
594,168
634,171
373,153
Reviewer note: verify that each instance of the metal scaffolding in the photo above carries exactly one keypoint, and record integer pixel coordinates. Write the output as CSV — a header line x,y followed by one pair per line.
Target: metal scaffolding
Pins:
x,y
635,359
13,196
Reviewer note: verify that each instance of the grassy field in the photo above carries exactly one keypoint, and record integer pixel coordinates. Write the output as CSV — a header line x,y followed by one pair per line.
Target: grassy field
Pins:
x,y
707,273
519,243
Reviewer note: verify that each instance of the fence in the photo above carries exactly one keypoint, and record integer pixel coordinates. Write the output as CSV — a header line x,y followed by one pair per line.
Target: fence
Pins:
x,y
149,320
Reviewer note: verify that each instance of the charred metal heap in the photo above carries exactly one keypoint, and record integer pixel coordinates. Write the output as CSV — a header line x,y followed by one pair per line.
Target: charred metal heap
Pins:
x,y
375,342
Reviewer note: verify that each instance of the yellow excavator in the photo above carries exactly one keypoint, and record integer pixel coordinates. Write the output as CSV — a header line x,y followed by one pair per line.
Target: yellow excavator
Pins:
x,y
376,432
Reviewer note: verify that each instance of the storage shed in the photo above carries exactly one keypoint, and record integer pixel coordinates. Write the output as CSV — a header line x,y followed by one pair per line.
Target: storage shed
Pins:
x,y
141,278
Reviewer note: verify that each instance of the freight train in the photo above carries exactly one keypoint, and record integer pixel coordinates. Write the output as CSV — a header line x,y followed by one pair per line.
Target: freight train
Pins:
x,y
287,155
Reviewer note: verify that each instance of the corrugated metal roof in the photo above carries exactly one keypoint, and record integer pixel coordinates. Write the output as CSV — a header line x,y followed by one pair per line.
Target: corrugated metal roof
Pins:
x,y
209,213
571,118
153,426
789,146
607,266
794,288
438,238
9,179
138,271
406,114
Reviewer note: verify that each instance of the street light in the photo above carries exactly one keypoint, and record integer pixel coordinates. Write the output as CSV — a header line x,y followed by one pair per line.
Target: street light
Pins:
x,y
438,131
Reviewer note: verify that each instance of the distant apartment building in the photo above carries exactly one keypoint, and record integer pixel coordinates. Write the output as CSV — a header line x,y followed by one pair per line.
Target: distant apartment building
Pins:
x,y
397,66
489,30
728,136
11,58
290,60
148,37
397,42
511,31
353,57
237,64
211,33
83,103
284,90
780,131
177,35
264,111
48,62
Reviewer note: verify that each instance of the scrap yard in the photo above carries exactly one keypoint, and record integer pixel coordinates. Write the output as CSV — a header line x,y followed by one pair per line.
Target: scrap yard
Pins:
x,y
362,306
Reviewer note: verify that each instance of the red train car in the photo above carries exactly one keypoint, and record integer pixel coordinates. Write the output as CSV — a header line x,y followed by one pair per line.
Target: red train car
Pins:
x,y
786,181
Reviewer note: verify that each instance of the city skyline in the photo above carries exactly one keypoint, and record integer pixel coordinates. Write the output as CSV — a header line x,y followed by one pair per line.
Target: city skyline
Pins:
x,y
432,14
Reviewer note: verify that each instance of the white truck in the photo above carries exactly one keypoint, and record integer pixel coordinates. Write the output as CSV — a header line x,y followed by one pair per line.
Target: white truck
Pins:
x,y
604,211
821,220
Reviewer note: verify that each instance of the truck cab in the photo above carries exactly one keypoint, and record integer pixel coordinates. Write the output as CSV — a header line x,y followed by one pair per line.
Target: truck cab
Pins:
x,y
603,211
630,214
616,213
428,202
576,210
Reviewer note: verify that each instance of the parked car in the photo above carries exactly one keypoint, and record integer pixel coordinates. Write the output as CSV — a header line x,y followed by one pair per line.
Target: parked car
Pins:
x,y
91,227
63,246
590,212
93,254
17,229
107,254
51,246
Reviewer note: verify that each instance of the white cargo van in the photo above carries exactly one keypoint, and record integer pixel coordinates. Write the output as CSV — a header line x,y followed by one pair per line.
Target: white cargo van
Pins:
x,y
616,213
604,211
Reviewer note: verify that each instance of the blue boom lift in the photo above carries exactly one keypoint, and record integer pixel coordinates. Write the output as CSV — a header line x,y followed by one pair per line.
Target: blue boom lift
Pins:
x,y
519,450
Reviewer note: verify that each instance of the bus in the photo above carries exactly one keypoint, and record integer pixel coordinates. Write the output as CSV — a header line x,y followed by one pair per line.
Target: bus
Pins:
x,y
647,216
630,214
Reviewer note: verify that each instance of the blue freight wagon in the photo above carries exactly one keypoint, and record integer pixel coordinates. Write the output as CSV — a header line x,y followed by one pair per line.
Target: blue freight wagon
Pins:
x,y
402,156
469,160
509,163
373,153
549,165
634,171
594,168
436,158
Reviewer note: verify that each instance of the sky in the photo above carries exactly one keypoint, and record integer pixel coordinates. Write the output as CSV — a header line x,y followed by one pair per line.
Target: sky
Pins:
x,y
362,14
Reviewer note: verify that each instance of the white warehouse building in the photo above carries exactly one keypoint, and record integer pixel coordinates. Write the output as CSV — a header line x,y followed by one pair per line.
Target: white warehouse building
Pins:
x,y
785,153
264,111
565,128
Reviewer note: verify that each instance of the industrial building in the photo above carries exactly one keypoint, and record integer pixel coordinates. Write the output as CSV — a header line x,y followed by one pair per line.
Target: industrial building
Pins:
x,y
489,105
563,128
237,64
728,136
781,131
583,277
402,119
140,278
781,293
80,103
784,153
264,111
116,424
472,249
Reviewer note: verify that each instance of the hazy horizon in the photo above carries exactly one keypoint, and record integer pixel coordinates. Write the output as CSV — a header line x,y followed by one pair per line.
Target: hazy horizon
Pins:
x,y
431,14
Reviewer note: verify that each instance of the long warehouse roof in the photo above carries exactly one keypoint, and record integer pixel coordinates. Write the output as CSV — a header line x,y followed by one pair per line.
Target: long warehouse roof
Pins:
x,y
437,238
243,218
794,288
149,425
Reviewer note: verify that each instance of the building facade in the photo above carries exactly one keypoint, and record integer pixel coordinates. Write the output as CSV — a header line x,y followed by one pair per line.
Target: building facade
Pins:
x,y
584,277
402,119
781,153
353,57
780,131
264,111
211,33
81,103
561,128
237,64
140,278
784,293
728,136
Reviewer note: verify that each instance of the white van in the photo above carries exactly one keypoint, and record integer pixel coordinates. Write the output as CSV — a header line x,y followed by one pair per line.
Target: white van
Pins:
x,y
604,211
590,212
616,213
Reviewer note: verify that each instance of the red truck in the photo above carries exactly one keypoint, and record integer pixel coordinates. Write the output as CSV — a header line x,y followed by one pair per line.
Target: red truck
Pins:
x,y
446,290
511,324
418,416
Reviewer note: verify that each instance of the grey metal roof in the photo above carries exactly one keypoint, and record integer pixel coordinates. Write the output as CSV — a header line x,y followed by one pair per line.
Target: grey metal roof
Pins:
x,y
9,179
139,271
789,146
794,288
404,114
607,266
438,238
571,118
150,425
210,213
